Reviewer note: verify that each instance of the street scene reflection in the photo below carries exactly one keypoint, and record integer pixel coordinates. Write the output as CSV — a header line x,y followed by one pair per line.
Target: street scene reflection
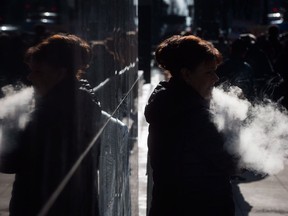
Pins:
x,y
76,76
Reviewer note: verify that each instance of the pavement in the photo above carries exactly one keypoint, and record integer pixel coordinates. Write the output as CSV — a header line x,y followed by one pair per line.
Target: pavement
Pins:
x,y
262,196
6,181
255,195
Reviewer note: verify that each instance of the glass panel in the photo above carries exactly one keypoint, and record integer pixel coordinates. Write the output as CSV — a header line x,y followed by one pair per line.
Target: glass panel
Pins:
x,y
70,156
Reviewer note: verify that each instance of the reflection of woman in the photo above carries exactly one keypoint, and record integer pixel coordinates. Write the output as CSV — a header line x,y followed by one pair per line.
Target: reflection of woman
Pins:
x,y
63,123
191,170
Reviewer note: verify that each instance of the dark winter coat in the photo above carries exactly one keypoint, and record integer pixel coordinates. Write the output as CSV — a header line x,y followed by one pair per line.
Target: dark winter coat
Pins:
x,y
191,169
63,124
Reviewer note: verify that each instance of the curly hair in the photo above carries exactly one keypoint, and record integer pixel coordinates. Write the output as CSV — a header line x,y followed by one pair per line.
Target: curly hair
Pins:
x,y
62,50
187,51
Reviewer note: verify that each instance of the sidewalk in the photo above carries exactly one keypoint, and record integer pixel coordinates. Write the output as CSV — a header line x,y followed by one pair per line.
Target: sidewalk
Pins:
x,y
144,94
6,181
262,196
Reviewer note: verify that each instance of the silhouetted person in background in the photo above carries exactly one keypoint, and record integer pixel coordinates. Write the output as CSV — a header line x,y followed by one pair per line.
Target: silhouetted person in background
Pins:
x,y
270,43
223,45
261,65
281,67
102,65
191,169
65,119
235,71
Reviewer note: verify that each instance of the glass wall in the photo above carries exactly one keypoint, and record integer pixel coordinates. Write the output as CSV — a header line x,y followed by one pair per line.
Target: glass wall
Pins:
x,y
99,173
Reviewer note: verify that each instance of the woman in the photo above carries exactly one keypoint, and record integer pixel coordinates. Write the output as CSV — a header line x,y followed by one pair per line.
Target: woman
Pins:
x,y
64,122
191,169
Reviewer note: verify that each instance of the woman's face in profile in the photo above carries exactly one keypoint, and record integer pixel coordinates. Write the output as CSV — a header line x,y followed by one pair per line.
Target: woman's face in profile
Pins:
x,y
203,79
44,77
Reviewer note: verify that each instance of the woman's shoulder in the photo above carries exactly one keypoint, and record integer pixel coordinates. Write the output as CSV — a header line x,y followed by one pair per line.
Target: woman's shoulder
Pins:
x,y
159,102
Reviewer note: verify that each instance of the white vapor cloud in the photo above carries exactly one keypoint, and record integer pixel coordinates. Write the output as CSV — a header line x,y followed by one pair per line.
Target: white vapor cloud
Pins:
x,y
15,109
257,133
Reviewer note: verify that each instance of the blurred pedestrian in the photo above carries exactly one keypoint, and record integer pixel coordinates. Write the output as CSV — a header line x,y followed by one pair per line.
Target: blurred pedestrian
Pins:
x,y
270,43
191,169
281,66
264,74
65,119
235,71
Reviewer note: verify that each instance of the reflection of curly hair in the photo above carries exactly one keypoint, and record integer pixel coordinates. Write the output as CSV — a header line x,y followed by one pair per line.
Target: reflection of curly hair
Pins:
x,y
188,51
61,50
